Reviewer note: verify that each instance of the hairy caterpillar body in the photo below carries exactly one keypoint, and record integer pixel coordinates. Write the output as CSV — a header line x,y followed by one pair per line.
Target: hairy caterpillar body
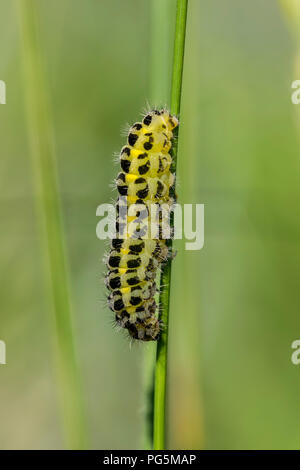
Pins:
x,y
134,259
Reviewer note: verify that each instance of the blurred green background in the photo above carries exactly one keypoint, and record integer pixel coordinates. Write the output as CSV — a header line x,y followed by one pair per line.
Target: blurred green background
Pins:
x,y
235,305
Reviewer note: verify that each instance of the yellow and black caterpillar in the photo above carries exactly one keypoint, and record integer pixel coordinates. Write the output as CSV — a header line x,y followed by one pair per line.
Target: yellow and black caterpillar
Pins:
x,y
145,181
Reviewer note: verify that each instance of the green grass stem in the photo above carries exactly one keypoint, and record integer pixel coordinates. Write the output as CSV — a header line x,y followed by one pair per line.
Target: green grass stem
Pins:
x,y
49,211
165,282
160,70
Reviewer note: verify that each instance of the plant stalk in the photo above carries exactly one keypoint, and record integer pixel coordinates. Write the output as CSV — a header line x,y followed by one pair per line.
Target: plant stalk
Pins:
x,y
160,71
41,140
165,281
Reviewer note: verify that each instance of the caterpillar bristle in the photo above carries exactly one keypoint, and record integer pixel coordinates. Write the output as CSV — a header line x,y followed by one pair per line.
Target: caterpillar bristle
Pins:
x,y
125,129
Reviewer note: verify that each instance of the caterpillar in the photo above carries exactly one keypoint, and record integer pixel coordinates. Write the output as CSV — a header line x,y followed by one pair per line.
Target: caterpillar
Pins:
x,y
145,181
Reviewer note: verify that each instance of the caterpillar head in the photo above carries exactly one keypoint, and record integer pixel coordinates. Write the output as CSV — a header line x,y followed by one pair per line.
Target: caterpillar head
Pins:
x,y
154,134
146,330
160,120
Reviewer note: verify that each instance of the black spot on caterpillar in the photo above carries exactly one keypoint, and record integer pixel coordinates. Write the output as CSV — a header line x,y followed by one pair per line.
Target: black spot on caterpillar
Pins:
x,y
133,261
